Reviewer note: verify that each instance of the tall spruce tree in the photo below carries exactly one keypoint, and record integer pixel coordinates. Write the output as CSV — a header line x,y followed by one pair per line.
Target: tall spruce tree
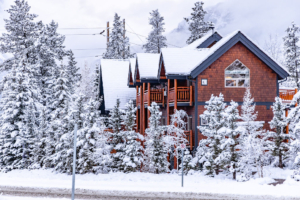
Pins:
x,y
156,152
73,73
118,45
197,26
232,137
278,138
292,53
117,137
155,39
210,149
133,155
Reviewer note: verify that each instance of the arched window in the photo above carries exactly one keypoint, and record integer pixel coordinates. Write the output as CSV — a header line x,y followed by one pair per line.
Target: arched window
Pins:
x,y
237,75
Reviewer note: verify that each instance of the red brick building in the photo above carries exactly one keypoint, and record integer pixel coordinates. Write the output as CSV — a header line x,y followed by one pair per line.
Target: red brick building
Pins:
x,y
185,78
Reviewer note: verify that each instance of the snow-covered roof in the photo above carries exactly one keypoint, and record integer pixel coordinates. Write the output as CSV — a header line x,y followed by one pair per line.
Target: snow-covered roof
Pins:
x,y
148,64
114,77
182,61
198,42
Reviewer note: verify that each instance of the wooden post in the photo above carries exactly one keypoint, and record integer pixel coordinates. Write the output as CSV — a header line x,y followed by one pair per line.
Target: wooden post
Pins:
x,y
163,97
149,102
107,33
191,140
168,103
296,90
143,110
175,91
191,95
287,126
137,110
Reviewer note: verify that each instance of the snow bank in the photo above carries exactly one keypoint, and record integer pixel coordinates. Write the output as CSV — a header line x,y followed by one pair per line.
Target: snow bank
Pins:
x,y
196,183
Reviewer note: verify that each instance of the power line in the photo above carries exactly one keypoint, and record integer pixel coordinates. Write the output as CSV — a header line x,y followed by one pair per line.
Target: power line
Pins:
x,y
134,32
89,56
81,28
88,49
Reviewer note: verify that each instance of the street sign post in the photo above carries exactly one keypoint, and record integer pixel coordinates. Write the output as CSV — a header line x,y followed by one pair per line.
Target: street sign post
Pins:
x,y
74,162
182,146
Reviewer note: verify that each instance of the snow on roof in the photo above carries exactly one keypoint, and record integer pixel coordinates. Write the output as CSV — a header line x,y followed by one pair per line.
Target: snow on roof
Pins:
x,y
132,67
183,61
148,64
114,77
198,42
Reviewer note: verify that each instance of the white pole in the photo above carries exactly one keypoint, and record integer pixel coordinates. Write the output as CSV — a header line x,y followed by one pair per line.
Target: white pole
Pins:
x,y
182,168
74,162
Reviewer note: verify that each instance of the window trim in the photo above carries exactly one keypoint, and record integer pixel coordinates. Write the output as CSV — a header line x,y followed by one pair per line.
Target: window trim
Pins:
x,y
206,81
201,119
236,79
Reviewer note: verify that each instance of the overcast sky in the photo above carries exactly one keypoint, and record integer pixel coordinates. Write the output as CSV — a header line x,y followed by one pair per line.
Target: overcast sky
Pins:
x,y
257,18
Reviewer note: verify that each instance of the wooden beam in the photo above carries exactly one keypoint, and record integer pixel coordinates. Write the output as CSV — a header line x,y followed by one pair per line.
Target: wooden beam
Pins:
x,y
191,95
175,90
137,110
163,97
107,33
143,110
168,103
149,102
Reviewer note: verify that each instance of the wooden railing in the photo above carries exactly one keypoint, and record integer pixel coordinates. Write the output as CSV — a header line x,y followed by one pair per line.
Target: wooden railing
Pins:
x,y
287,94
156,95
189,137
184,94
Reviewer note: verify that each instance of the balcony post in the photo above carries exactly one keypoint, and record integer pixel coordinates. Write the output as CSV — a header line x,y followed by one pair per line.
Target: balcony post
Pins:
x,y
137,110
143,91
191,95
168,103
149,102
176,95
163,97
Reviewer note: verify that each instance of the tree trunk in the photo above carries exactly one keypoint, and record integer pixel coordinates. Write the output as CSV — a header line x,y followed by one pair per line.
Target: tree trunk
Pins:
x,y
234,173
280,160
217,170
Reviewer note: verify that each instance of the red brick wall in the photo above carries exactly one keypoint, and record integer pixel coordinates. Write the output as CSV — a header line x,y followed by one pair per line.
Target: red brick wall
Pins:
x,y
262,78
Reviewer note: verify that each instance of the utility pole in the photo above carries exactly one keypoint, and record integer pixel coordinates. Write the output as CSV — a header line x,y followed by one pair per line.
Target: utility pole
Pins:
x,y
107,33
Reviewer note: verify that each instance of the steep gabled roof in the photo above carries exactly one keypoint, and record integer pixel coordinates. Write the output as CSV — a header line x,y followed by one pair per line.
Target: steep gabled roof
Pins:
x,y
192,61
229,41
147,65
204,42
115,83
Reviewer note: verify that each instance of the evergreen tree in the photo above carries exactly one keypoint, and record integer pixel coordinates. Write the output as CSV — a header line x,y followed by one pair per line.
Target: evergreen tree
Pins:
x,y
210,149
155,39
187,159
292,53
59,104
73,73
197,26
278,139
232,140
87,139
118,45
156,152
117,137
40,143
133,149
97,83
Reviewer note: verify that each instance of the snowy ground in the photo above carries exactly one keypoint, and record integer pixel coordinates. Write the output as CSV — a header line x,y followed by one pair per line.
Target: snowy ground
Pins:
x,y
144,182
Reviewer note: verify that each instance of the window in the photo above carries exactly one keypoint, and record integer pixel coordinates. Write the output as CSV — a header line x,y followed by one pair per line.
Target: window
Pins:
x,y
237,75
203,122
204,81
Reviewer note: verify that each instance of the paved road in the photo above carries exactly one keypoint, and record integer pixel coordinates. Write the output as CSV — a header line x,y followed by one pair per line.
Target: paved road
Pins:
x,y
124,195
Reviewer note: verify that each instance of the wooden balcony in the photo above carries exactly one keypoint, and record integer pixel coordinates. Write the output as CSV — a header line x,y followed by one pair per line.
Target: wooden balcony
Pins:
x,y
189,137
287,95
156,95
184,94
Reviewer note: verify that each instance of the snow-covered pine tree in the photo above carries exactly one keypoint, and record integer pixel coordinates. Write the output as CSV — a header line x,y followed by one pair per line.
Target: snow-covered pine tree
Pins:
x,y
97,83
278,138
292,53
156,151
231,141
175,132
73,73
102,154
197,26
40,143
87,83
210,149
59,103
117,137
118,45
50,48
186,162
87,139
133,151
155,39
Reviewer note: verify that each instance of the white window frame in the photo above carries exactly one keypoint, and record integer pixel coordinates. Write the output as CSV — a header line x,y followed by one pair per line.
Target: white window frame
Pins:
x,y
236,79
201,122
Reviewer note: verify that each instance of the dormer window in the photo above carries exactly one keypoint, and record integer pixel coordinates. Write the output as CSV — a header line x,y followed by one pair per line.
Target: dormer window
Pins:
x,y
237,75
